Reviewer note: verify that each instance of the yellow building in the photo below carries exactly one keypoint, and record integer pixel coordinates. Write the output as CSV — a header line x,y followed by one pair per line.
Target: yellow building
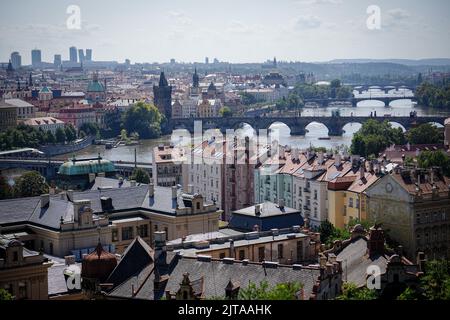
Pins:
x,y
346,197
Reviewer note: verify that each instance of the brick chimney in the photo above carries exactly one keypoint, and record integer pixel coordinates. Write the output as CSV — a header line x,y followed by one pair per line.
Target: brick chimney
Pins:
x,y
376,241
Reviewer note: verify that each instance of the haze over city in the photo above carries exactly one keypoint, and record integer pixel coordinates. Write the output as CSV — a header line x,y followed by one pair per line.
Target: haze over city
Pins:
x,y
234,31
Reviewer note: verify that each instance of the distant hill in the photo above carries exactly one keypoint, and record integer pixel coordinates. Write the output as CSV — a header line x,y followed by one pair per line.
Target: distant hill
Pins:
x,y
406,62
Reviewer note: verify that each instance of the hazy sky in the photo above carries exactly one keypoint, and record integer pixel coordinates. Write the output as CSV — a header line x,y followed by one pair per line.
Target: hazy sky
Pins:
x,y
231,30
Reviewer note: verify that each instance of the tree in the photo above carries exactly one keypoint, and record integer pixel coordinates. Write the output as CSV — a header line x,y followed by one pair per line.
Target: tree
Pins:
x,y
351,292
374,137
436,280
140,176
5,295
329,233
50,137
5,189
30,184
429,159
425,134
225,112
248,99
60,135
90,128
281,291
71,133
145,119
408,294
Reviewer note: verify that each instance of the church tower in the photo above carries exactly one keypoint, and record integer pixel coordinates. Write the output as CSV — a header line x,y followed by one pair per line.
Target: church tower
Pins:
x,y
163,96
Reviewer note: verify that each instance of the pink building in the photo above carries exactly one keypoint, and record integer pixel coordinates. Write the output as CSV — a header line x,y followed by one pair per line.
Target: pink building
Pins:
x,y
77,115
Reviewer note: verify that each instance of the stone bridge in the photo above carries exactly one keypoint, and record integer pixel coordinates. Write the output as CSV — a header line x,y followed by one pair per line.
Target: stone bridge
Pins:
x,y
354,101
297,125
386,88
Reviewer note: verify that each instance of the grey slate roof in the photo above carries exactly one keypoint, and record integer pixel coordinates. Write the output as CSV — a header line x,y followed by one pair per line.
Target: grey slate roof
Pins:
x,y
23,210
355,261
268,209
216,275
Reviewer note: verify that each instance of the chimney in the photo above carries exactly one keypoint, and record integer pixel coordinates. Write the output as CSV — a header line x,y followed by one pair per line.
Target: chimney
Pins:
x,y
421,261
151,190
91,177
190,189
376,241
45,200
70,195
362,170
62,196
174,192
257,210
231,248
281,203
337,160
320,158
133,183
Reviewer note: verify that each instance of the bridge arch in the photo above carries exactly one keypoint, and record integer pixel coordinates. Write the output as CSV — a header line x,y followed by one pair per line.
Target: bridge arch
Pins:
x,y
397,101
317,129
370,102
350,128
244,129
395,124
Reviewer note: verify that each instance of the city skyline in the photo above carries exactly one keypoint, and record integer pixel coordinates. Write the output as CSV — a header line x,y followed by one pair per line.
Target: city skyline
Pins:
x,y
312,31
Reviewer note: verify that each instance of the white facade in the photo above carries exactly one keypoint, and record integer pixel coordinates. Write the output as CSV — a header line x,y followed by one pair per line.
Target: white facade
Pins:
x,y
25,110
45,123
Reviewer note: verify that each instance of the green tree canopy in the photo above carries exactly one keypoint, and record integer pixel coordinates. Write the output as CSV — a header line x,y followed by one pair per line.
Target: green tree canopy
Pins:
x,y
145,119
5,295
225,112
90,128
329,233
281,291
30,184
374,137
425,134
436,280
71,133
429,159
60,135
6,191
140,176
351,292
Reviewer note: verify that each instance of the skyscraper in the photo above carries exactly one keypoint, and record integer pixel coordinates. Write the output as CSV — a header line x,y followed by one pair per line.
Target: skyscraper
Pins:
x,y
163,96
81,55
36,58
88,54
57,61
16,60
206,60
73,54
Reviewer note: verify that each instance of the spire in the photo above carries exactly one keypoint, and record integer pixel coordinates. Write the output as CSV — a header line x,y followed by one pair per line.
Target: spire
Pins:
x,y
163,81
30,80
195,79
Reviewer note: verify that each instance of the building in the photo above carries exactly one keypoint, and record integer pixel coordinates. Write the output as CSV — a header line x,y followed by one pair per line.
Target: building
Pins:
x,y
73,55
173,276
45,123
367,249
347,200
95,91
270,94
77,115
23,272
36,59
81,56
285,246
413,205
71,223
8,116
222,172
447,132
88,54
24,109
208,108
163,96
177,109
167,165
16,60
265,216
57,61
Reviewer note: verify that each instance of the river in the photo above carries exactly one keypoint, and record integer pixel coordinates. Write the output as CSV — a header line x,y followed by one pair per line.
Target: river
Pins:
x,y
315,130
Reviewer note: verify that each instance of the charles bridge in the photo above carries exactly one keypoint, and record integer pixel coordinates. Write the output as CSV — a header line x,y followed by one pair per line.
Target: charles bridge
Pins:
x,y
297,125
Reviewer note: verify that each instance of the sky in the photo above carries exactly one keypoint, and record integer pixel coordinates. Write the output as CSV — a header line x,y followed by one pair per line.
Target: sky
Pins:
x,y
230,30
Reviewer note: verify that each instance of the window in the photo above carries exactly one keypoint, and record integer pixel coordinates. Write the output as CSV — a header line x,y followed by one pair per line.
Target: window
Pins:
x,y
115,235
300,191
51,248
241,255
350,202
142,231
280,251
261,254
22,290
198,205
315,194
222,255
127,233
166,230
15,256
418,218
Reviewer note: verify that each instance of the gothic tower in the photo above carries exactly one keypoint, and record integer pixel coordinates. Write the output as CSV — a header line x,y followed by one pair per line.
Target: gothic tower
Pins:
x,y
163,96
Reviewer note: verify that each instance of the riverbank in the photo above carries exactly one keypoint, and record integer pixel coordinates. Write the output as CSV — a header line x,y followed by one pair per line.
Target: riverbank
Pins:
x,y
52,150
